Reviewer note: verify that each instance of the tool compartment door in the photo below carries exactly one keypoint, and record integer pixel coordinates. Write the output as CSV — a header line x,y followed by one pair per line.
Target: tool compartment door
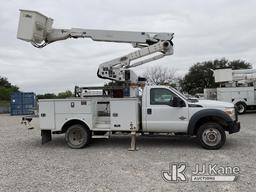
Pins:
x,y
123,113
68,106
46,114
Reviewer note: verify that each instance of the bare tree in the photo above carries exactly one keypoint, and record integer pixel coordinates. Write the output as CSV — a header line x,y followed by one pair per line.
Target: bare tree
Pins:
x,y
159,75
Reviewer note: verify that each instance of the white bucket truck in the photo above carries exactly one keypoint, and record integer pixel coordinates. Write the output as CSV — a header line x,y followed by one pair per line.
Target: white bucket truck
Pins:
x,y
120,109
237,87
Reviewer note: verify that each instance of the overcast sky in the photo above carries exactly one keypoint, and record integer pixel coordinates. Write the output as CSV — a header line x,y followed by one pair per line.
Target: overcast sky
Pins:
x,y
204,30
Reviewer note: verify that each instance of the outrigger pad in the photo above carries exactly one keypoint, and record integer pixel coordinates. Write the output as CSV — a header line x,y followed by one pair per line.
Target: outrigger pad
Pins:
x,y
46,136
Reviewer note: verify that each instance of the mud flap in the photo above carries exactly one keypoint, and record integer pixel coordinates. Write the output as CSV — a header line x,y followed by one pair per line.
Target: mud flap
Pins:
x,y
46,136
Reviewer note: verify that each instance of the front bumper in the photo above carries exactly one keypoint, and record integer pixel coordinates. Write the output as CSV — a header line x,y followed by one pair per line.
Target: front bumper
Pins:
x,y
234,127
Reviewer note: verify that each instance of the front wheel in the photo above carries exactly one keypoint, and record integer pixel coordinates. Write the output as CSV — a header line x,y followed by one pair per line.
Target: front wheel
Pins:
x,y
211,136
241,108
77,136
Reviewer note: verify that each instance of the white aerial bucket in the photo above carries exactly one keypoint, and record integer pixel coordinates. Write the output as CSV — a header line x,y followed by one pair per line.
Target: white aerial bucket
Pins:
x,y
223,75
33,26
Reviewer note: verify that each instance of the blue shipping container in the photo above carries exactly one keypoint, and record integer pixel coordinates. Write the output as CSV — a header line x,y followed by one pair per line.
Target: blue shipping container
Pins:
x,y
23,103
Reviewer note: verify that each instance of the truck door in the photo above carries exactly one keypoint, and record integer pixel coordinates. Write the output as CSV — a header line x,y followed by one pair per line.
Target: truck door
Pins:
x,y
161,115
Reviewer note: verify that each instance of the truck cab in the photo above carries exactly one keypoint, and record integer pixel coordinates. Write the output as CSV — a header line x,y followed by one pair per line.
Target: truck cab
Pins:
x,y
164,109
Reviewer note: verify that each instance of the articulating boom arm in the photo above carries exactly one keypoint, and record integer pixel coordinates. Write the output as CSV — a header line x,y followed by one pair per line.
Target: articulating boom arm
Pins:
x,y
118,69
36,28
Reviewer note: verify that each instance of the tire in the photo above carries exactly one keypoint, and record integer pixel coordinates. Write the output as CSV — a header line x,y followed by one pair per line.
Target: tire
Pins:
x,y
211,136
241,108
77,136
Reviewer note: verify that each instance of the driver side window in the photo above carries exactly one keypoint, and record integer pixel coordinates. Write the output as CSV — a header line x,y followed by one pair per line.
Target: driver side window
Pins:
x,y
161,96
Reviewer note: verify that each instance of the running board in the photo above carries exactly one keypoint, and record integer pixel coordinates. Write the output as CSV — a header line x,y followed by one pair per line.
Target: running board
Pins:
x,y
100,136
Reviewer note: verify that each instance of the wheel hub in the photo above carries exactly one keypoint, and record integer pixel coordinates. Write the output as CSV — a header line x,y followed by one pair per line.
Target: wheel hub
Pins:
x,y
240,108
75,137
211,136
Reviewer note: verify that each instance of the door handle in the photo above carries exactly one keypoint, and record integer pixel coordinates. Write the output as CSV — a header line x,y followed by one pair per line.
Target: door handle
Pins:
x,y
182,118
149,111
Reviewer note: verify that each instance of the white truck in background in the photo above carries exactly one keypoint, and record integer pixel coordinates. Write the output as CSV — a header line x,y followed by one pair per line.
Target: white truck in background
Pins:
x,y
236,86
120,109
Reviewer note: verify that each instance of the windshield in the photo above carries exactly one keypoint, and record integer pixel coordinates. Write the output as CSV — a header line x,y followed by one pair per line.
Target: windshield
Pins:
x,y
179,93
183,96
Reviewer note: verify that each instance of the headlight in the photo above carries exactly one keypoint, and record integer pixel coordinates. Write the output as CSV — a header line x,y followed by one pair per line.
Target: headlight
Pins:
x,y
230,112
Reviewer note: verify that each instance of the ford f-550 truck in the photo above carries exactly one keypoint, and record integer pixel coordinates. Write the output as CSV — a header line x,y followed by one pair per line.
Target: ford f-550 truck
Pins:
x,y
160,109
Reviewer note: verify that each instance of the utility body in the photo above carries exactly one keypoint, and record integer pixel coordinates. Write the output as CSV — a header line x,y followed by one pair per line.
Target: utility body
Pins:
x,y
160,109
130,106
236,86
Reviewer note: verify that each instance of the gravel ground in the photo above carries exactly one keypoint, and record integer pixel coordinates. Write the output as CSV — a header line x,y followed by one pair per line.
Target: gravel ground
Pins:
x,y
106,165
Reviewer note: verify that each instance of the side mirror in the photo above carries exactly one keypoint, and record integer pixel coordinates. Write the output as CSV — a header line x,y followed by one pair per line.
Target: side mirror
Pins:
x,y
177,102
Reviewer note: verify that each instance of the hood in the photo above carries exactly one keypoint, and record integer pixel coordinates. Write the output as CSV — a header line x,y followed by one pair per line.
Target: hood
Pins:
x,y
211,103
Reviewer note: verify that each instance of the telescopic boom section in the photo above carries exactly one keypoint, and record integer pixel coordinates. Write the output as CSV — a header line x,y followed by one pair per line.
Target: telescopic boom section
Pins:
x,y
36,28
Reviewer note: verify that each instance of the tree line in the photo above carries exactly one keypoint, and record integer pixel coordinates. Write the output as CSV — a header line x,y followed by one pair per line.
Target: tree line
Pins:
x,y
60,95
199,76
7,89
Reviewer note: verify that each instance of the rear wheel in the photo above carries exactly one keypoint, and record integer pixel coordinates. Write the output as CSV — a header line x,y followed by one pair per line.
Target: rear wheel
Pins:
x,y
77,136
241,108
211,136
